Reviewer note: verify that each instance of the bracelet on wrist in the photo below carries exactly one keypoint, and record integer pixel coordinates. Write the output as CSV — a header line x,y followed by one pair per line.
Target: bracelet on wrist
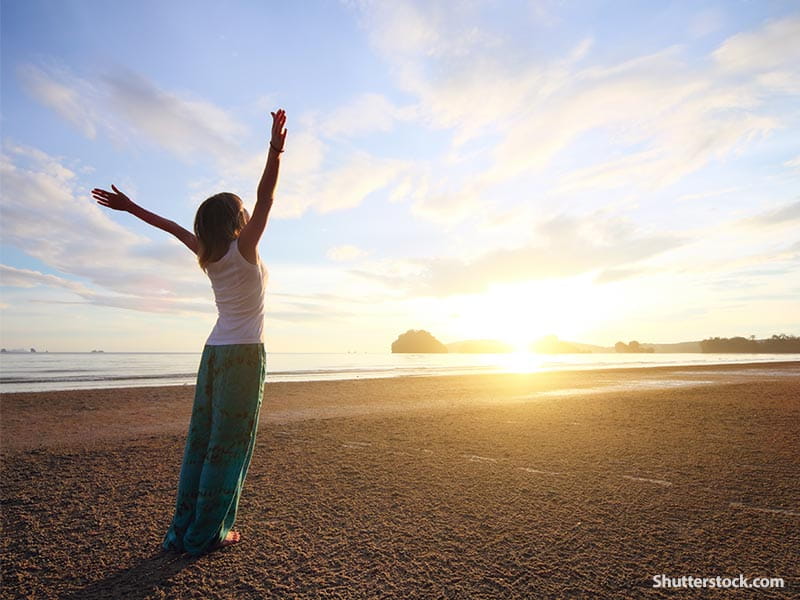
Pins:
x,y
271,145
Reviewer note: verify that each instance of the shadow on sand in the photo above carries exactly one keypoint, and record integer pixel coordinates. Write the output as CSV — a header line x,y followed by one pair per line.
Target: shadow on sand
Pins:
x,y
139,581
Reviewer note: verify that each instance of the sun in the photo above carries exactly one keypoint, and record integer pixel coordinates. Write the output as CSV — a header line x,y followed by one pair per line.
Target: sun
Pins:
x,y
519,314
521,362
506,314
519,341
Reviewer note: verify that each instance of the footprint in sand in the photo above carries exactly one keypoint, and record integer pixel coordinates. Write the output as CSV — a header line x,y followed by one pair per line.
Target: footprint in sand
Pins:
x,y
539,471
660,482
476,458
773,511
358,445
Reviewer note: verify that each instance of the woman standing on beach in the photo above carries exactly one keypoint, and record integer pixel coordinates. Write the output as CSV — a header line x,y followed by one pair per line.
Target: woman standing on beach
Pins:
x,y
230,380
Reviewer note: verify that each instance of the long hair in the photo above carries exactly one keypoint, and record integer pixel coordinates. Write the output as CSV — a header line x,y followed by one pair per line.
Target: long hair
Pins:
x,y
219,220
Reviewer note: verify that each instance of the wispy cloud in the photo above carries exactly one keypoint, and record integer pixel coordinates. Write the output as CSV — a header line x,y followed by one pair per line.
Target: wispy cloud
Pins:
x,y
129,108
563,246
65,95
186,126
345,252
317,174
46,216
662,116
26,278
707,194
364,114
781,214
314,181
126,106
609,275
775,45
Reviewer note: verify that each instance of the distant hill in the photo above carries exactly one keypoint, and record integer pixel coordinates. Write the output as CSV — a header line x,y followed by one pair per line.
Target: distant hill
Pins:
x,y
550,344
417,341
633,347
683,347
780,344
422,341
686,347
553,345
590,347
479,347
677,347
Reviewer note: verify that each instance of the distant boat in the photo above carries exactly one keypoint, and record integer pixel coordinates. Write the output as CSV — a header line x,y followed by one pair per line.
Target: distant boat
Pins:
x,y
98,351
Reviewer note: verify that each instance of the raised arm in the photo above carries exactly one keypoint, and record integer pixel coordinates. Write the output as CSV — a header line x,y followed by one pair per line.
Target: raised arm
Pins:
x,y
118,201
248,238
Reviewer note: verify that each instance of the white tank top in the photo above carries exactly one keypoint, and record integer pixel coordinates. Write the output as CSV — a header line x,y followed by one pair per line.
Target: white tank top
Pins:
x,y
239,288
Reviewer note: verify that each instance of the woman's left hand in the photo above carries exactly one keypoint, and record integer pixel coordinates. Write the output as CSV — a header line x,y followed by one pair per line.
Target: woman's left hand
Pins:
x,y
278,130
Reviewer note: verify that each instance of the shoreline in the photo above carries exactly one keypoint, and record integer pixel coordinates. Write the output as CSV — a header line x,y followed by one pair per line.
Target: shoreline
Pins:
x,y
44,419
281,376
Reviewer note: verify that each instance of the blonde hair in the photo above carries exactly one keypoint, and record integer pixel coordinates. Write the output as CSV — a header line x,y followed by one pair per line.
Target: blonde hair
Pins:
x,y
219,220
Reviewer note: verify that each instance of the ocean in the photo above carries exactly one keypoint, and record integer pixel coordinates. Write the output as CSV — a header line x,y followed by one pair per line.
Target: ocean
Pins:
x,y
34,372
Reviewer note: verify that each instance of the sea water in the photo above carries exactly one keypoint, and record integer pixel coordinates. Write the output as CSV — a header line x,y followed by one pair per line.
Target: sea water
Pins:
x,y
45,371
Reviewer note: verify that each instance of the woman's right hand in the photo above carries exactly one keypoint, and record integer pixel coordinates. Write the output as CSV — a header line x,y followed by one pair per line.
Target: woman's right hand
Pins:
x,y
278,130
115,200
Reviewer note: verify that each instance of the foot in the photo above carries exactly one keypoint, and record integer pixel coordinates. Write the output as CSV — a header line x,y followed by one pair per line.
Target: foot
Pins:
x,y
233,537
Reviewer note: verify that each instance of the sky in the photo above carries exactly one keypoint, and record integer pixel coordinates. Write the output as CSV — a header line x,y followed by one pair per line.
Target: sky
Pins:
x,y
599,171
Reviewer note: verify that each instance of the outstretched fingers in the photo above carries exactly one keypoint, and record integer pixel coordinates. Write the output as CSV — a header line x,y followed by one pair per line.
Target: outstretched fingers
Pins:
x,y
278,127
113,187
106,193
116,199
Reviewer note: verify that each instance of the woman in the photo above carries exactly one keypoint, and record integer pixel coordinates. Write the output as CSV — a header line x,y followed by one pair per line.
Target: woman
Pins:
x,y
230,380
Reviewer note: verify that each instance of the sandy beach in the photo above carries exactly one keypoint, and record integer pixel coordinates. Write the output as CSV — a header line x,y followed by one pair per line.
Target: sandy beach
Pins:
x,y
555,485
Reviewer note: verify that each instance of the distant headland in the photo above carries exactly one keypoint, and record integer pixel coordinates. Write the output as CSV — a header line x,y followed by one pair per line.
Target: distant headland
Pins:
x,y
421,341
416,341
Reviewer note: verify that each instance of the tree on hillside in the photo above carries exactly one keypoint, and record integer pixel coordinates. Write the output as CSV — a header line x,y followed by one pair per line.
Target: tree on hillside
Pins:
x,y
633,347
417,341
776,344
550,344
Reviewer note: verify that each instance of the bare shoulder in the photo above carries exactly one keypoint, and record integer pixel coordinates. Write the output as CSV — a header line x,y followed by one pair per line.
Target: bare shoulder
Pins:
x,y
250,254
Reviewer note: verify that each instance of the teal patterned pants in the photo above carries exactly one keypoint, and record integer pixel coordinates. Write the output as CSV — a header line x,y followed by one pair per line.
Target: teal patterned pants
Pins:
x,y
222,434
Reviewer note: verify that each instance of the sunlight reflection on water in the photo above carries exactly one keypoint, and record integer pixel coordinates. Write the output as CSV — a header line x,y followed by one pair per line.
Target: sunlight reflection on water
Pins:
x,y
520,362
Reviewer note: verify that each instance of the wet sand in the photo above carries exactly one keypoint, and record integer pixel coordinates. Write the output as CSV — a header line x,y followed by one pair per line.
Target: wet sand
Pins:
x,y
559,485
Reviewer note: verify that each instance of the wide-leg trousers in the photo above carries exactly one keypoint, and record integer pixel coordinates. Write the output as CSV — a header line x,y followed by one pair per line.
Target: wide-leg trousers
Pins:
x,y
219,446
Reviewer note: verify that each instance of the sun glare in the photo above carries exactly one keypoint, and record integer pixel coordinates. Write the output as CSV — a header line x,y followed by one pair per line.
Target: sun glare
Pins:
x,y
521,362
521,314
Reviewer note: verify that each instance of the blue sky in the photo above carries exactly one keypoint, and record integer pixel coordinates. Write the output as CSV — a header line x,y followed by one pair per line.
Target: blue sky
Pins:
x,y
601,171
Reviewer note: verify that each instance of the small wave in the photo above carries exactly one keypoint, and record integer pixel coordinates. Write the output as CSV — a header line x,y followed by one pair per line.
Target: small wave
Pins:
x,y
93,378
385,369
